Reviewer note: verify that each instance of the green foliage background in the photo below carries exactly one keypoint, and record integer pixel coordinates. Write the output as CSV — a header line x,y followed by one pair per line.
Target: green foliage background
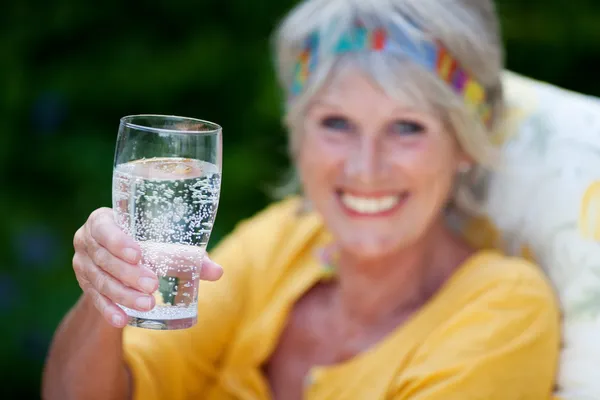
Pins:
x,y
69,70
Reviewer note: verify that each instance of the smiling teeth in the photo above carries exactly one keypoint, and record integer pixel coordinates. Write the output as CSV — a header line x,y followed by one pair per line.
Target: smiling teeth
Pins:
x,y
366,205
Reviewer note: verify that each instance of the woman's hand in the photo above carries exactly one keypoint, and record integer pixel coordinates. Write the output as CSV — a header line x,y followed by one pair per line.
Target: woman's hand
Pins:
x,y
107,267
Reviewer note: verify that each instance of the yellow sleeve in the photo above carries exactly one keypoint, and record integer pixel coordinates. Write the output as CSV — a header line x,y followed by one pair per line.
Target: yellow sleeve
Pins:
x,y
178,364
504,344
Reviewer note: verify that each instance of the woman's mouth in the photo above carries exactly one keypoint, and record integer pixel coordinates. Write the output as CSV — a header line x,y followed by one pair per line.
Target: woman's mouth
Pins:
x,y
371,205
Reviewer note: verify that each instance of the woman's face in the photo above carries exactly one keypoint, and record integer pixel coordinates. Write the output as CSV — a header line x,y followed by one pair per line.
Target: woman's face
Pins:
x,y
379,172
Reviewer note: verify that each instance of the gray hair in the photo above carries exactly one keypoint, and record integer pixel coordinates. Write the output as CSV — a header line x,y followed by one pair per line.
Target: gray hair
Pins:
x,y
469,29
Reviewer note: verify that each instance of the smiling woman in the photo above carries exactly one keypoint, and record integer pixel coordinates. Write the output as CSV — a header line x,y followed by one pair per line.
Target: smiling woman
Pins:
x,y
377,170
391,106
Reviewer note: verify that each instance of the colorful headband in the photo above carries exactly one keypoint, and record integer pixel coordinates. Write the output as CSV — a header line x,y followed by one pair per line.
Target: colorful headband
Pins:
x,y
432,55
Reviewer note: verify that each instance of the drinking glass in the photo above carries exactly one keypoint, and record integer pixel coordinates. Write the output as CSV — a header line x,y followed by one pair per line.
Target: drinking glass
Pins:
x,y
165,191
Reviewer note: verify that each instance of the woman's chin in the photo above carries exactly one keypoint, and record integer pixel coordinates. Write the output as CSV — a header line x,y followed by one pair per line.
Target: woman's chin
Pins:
x,y
365,250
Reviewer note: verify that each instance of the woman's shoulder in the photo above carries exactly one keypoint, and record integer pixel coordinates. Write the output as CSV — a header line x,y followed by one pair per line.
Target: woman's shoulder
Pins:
x,y
493,331
285,210
491,275
274,235
281,220
494,299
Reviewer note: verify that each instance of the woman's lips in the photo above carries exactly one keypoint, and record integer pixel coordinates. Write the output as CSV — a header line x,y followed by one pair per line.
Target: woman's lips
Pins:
x,y
363,205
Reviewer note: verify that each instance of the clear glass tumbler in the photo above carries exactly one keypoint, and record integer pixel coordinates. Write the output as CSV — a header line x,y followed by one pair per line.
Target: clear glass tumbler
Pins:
x,y
165,191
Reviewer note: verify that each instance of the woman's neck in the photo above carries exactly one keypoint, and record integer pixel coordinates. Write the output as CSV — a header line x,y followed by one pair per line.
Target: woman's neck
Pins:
x,y
372,291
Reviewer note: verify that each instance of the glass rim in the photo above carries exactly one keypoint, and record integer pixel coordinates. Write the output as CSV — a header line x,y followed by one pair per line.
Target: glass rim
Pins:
x,y
126,121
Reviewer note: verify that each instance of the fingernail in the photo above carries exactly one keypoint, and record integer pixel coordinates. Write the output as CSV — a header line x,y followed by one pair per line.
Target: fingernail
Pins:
x,y
130,255
143,302
117,319
148,284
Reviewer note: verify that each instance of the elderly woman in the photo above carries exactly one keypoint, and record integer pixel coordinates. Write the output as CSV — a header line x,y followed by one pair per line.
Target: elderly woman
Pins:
x,y
361,288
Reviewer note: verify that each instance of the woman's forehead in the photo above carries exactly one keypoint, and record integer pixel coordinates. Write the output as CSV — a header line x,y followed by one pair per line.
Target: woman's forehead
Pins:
x,y
352,86
347,81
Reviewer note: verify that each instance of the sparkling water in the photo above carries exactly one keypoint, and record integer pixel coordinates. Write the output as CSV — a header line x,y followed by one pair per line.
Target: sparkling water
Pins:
x,y
168,205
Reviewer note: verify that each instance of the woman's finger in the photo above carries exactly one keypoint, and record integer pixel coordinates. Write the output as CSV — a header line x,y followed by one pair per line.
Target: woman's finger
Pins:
x,y
79,240
112,313
139,278
103,229
210,271
181,261
117,292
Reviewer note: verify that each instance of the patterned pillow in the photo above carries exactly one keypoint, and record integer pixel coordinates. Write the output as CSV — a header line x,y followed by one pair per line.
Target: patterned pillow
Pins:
x,y
546,202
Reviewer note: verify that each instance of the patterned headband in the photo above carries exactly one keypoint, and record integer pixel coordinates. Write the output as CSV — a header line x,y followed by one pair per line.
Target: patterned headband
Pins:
x,y
431,55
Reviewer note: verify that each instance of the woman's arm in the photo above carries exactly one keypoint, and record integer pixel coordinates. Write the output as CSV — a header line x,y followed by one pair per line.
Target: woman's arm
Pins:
x,y
86,358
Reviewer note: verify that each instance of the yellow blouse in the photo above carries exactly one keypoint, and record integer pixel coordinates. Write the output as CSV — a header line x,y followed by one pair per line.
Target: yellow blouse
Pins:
x,y
492,332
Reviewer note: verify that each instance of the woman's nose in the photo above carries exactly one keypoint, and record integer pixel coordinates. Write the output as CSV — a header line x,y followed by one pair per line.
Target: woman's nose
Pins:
x,y
364,163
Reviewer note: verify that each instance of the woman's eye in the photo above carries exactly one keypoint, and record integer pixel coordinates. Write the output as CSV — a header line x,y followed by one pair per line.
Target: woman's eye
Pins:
x,y
336,123
407,128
